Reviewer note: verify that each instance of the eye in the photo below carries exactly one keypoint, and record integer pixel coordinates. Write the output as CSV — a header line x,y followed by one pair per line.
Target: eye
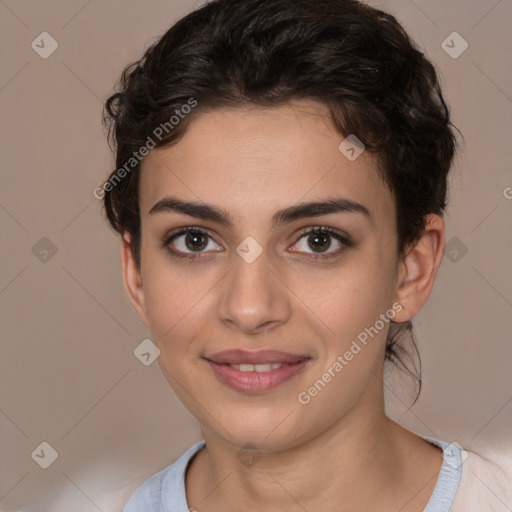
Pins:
x,y
320,241
189,242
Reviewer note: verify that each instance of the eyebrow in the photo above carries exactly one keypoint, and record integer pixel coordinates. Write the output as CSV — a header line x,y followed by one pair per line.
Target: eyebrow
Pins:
x,y
206,211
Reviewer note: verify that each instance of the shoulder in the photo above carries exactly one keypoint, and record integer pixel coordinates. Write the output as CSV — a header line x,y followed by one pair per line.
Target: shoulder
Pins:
x,y
448,481
166,487
472,482
486,483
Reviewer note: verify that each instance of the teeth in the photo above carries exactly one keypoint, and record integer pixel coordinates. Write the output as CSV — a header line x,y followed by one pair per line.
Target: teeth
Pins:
x,y
260,368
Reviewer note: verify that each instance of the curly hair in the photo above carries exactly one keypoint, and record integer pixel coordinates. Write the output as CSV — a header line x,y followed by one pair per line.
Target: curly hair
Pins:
x,y
356,60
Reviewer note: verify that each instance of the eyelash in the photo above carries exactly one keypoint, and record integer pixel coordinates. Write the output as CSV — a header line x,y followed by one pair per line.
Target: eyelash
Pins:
x,y
321,230
333,233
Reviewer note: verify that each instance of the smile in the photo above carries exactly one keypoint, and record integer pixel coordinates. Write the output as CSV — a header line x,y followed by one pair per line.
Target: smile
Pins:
x,y
255,372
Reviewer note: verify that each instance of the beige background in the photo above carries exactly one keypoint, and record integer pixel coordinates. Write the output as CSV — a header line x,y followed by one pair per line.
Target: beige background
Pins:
x,y
68,375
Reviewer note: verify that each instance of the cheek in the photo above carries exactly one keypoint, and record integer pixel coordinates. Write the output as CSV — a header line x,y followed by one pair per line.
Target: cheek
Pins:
x,y
165,294
353,343
177,301
346,301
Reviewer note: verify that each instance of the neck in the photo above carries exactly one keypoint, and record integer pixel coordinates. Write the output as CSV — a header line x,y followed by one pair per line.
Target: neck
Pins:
x,y
361,462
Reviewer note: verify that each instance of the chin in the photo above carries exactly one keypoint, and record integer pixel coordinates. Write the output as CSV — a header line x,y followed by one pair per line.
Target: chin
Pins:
x,y
265,430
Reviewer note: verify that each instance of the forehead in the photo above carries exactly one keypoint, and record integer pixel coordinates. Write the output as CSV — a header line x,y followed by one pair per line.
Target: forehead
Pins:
x,y
253,161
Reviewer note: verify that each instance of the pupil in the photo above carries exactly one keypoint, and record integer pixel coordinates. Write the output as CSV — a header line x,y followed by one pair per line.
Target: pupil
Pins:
x,y
193,241
319,241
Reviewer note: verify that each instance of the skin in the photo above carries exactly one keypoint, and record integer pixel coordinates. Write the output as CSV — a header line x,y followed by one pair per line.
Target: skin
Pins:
x,y
339,452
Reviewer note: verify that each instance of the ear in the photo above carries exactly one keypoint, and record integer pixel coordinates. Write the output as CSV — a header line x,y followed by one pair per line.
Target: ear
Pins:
x,y
132,279
418,268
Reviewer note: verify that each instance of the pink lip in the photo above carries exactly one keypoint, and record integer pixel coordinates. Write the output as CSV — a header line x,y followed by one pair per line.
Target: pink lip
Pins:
x,y
255,382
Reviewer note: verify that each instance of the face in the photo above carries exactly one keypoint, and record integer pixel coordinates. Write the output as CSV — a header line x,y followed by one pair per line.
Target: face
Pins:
x,y
251,308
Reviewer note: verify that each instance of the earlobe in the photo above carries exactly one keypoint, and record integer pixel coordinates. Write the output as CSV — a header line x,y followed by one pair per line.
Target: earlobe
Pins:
x,y
132,279
418,268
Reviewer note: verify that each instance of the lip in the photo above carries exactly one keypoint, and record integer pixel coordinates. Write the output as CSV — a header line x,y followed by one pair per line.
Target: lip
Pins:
x,y
255,382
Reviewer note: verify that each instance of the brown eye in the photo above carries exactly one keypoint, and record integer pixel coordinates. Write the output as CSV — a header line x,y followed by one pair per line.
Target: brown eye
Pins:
x,y
189,243
316,243
319,242
196,241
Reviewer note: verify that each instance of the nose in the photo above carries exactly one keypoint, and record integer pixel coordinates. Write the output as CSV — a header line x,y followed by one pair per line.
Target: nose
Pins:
x,y
253,300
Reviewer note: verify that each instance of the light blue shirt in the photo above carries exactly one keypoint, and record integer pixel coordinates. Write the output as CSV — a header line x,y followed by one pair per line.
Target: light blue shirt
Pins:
x,y
165,491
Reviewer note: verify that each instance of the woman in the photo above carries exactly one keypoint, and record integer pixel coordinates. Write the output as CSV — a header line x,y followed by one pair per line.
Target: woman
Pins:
x,y
281,175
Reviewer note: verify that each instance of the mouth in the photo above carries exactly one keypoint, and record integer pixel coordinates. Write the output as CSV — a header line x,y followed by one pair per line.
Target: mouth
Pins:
x,y
255,372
